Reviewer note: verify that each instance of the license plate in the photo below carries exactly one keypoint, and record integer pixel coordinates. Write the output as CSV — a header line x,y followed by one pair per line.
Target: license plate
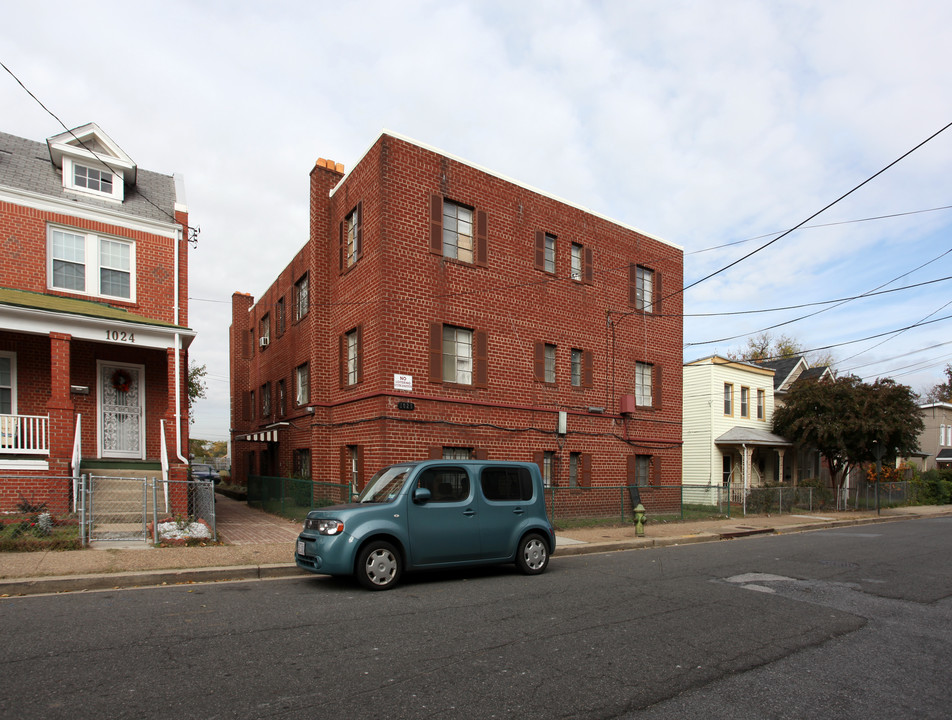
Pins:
x,y
300,547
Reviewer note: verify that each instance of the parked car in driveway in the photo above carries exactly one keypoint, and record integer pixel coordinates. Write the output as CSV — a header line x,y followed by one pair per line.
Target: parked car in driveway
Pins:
x,y
432,514
201,471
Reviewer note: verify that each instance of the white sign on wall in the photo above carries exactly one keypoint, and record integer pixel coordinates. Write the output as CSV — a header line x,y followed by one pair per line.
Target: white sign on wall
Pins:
x,y
403,382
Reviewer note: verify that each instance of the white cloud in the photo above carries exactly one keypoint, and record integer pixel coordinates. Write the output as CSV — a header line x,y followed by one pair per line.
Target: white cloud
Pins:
x,y
703,123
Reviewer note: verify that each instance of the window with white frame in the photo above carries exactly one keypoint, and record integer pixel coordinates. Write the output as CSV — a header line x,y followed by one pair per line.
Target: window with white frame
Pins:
x,y
352,357
576,262
745,402
941,434
302,376
457,231
548,467
643,383
351,240
548,254
642,470
265,330
549,356
301,299
644,289
8,387
92,179
728,399
98,181
575,460
87,263
457,355
577,356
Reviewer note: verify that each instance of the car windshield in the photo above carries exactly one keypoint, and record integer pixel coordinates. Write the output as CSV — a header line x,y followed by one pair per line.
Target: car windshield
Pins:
x,y
385,485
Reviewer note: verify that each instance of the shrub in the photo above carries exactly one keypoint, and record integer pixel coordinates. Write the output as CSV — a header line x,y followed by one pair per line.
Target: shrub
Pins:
x,y
822,494
934,487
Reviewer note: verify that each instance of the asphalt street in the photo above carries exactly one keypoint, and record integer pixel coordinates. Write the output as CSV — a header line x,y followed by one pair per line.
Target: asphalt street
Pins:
x,y
848,623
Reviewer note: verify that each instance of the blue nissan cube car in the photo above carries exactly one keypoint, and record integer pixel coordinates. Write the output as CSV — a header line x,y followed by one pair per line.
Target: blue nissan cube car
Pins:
x,y
432,514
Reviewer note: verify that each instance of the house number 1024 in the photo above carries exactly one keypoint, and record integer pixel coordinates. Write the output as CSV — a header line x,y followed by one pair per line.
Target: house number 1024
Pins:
x,y
120,336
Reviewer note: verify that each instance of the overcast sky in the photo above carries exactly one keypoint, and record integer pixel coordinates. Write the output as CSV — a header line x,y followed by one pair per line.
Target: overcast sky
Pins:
x,y
704,123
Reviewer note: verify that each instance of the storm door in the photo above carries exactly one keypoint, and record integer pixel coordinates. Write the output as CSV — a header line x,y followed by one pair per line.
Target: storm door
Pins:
x,y
122,411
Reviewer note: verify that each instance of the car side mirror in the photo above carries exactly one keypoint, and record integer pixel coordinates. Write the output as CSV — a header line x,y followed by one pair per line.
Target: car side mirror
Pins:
x,y
422,495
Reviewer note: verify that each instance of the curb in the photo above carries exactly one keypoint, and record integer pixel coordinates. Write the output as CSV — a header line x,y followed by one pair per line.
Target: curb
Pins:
x,y
152,578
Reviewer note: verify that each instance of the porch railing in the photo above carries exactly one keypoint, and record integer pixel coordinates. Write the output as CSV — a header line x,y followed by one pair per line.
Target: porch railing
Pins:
x,y
24,434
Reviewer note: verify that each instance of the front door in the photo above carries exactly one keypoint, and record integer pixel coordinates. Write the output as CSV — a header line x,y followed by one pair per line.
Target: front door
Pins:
x,y
122,411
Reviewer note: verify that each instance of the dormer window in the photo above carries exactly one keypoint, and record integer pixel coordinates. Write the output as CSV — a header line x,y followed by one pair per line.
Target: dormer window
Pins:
x,y
92,164
92,179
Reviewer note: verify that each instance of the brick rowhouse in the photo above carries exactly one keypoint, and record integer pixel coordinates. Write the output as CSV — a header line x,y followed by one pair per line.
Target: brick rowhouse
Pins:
x,y
439,309
93,316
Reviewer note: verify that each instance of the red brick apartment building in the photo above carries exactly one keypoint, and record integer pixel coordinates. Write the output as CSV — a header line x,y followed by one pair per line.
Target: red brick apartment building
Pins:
x,y
93,316
441,310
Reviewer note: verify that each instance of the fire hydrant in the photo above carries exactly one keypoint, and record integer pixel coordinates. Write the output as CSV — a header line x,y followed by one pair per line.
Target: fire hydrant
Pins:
x,y
640,518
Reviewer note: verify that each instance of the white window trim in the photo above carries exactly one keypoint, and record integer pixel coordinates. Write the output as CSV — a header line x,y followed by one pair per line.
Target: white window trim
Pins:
x,y
461,357
118,192
91,263
300,387
577,261
352,357
644,387
13,380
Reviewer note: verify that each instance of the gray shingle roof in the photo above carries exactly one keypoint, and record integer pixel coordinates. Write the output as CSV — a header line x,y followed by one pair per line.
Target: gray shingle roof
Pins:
x,y
26,165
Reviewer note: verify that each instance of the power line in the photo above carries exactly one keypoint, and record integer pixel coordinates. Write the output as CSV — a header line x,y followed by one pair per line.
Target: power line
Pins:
x,y
804,222
822,225
192,232
836,304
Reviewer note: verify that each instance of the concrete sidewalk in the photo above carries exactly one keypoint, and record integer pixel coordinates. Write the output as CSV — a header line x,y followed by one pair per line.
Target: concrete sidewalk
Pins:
x,y
259,545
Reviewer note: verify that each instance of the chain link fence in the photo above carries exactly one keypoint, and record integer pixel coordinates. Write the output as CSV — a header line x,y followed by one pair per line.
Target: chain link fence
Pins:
x,y
294,498
42,515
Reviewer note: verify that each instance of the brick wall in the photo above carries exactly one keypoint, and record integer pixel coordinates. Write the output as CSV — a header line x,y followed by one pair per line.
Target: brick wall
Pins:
x,y
399,287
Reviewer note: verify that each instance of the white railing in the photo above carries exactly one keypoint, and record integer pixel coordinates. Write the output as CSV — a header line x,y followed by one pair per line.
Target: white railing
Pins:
x,y
77,459
164,458
24,434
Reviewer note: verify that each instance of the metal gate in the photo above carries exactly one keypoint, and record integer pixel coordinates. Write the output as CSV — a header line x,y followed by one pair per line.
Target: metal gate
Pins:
x,y
117,508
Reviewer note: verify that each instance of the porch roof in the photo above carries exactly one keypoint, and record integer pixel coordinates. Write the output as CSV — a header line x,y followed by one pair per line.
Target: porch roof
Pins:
x,y
740,435
30,308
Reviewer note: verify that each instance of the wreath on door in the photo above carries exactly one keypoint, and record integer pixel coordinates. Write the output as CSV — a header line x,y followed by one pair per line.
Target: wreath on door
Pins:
x,y
121,380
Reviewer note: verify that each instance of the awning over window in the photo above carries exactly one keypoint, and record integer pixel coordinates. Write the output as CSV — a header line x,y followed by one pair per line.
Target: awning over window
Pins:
x,y
944,456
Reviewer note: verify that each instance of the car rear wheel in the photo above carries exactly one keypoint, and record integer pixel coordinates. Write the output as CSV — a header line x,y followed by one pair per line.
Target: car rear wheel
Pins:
x,y
532,557
379,566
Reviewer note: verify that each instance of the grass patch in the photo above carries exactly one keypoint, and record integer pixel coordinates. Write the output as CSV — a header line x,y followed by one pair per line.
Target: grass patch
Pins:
x,y
23,536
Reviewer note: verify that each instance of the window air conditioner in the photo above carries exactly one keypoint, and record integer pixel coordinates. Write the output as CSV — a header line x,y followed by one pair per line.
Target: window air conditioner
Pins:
x,y
263,342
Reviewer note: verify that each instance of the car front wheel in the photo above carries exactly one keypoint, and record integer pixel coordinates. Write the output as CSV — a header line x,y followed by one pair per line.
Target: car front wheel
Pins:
x,y
532,557
379,566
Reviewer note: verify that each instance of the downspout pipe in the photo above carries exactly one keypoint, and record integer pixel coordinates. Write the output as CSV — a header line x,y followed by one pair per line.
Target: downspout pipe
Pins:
x,y
178,357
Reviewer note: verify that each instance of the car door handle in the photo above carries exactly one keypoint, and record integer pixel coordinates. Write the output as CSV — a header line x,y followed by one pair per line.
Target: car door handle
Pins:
x,y
469,512
518,511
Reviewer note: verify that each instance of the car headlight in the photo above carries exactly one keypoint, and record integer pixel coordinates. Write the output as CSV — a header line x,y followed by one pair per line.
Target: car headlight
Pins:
x,y
324,527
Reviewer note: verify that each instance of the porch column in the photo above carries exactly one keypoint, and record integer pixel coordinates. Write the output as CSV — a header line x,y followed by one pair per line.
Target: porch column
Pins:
x,y
780,452
177,471
62,425
748,452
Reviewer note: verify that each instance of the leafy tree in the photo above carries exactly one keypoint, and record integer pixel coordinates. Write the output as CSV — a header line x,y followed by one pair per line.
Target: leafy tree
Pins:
x,y
940,392
765,347
196,386
845,419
